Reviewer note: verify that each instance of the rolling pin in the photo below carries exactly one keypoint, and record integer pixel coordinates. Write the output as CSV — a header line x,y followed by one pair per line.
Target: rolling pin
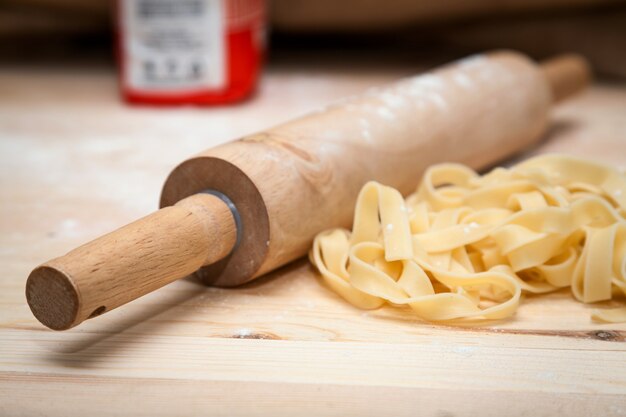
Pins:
x,y
242,209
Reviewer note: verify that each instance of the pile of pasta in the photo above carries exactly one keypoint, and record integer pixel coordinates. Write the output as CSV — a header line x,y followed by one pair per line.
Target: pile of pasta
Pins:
x,y
465,247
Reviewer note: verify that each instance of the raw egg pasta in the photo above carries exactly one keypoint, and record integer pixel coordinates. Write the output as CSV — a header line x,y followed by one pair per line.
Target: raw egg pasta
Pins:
x,y
465,246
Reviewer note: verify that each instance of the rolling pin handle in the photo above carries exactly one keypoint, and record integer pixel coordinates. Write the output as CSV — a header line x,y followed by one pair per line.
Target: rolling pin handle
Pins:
x,y
567,75
132,261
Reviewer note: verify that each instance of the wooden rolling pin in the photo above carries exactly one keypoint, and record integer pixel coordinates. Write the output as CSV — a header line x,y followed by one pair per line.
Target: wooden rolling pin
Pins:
x,y
247,207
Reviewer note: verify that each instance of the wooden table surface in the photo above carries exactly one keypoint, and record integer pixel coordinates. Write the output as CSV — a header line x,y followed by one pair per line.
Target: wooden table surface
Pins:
x,y
76,163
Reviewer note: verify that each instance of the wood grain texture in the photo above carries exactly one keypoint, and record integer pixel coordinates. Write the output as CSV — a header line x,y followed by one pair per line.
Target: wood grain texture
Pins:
x,y
282,345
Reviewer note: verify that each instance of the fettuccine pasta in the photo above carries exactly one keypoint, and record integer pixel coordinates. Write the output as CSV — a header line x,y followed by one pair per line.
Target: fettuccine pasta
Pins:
x,y
465,246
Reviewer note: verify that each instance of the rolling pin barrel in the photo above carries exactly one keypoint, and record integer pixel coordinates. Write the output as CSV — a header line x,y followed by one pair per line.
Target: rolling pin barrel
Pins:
x,y
292,181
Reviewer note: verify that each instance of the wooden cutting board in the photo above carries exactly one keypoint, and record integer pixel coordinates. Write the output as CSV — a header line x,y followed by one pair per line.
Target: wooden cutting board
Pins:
x,y
75,163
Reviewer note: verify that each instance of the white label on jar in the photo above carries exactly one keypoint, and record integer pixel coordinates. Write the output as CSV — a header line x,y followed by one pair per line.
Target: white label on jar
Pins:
x,y
173,45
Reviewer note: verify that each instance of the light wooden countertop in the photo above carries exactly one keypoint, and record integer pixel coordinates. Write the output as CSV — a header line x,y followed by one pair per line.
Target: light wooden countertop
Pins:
x,y
76,163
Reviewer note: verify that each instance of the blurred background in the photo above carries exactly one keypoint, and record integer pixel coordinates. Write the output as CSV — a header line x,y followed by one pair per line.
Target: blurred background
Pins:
x,y
81,32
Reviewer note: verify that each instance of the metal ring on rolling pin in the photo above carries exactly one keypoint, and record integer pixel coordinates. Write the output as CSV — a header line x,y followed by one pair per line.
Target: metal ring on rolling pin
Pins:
x,y
233,210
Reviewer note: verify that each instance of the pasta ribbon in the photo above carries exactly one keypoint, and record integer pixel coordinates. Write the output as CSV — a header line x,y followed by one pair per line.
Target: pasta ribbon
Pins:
x,y
464,247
